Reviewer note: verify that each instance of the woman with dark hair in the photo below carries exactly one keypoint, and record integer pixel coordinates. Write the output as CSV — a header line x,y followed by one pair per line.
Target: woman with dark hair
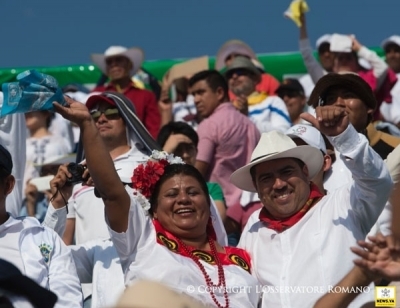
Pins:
x,y
173,243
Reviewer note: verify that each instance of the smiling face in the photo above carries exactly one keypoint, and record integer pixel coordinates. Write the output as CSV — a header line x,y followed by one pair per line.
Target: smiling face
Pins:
x,y
182,206
118,67
282,185
392,53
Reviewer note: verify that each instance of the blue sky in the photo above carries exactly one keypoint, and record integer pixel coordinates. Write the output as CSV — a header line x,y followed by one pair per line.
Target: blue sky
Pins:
x,y
55,32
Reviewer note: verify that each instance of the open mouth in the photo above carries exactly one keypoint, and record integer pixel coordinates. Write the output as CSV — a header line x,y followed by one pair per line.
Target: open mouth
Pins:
x,y
184,211
282,198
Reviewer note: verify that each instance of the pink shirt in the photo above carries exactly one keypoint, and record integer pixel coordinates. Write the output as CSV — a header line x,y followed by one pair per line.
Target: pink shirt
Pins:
x,y
226,140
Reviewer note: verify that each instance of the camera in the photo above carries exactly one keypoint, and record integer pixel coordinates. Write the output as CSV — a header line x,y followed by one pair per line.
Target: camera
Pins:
x,y
77,173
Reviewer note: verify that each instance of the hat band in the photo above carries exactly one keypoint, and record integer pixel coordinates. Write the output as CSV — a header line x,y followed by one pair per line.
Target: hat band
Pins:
x,y
259,157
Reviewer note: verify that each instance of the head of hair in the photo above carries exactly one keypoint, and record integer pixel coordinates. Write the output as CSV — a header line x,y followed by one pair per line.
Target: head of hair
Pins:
x,y
177,128
6,163
213,78
177,169
182,86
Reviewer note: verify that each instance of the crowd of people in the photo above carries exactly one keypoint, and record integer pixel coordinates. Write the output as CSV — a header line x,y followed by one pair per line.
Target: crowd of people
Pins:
x,y
217,187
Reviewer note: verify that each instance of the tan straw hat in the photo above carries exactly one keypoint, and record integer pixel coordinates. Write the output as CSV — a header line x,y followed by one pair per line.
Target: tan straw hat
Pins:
x,y
230,47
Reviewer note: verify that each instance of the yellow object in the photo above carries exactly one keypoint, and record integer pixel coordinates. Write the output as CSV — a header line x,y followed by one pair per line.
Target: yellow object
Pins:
x,y
138,83
295,10
385,296
254,99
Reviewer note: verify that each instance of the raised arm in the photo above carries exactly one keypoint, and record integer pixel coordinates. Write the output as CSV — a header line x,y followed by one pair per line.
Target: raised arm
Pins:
x,y
379,67
102,170
314,68
372,182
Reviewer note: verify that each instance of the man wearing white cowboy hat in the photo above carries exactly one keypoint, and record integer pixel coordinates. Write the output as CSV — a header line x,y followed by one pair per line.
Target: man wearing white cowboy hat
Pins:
x,y
233,48
120,64
299,241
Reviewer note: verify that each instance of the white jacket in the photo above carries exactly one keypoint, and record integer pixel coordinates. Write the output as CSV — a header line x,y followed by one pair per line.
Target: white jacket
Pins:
x,y
49,262
315,253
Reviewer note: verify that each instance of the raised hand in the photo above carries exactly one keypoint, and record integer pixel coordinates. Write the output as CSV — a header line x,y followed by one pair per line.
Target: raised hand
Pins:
x,y
241,104
59,190
329,120
377,258
74,111
356,44
174,140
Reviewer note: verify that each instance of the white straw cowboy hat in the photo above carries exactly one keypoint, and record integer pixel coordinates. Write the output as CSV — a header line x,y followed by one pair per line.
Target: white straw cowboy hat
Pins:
x,y
274,145
134,54
230,47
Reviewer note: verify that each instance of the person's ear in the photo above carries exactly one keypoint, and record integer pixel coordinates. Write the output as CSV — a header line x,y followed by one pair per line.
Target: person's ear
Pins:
x,y
9,184
370,115
327,162
220,94
303,100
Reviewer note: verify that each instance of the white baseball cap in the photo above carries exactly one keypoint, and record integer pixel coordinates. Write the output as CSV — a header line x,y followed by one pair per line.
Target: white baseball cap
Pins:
x,y
309,134
326,38
393,39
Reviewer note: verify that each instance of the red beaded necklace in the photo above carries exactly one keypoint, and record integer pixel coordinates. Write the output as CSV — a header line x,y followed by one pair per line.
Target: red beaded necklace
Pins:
x,y
221,274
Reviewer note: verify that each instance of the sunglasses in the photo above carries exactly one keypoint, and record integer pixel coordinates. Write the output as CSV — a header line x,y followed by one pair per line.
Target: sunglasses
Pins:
x,y
238,72
117,60
110,113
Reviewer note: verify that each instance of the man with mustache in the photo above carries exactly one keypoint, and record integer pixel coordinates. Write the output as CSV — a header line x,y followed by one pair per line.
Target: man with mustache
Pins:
x,y
299,241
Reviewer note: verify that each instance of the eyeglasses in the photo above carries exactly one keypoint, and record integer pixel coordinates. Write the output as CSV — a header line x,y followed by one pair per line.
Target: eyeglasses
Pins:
x,y
238,72
110,113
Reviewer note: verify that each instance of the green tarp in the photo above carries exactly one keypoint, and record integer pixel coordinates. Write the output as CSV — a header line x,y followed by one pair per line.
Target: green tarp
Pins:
x,y
277,64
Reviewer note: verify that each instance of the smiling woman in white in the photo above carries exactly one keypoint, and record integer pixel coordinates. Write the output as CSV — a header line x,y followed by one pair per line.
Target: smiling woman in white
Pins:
x,y
176,243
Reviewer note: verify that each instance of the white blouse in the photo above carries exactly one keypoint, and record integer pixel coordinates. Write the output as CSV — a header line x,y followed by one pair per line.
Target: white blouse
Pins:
x,y
143,258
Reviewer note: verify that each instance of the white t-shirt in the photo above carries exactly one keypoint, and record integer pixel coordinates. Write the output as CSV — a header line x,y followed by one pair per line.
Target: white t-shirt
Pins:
x,y
9,242
180,110
88,210
38,149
